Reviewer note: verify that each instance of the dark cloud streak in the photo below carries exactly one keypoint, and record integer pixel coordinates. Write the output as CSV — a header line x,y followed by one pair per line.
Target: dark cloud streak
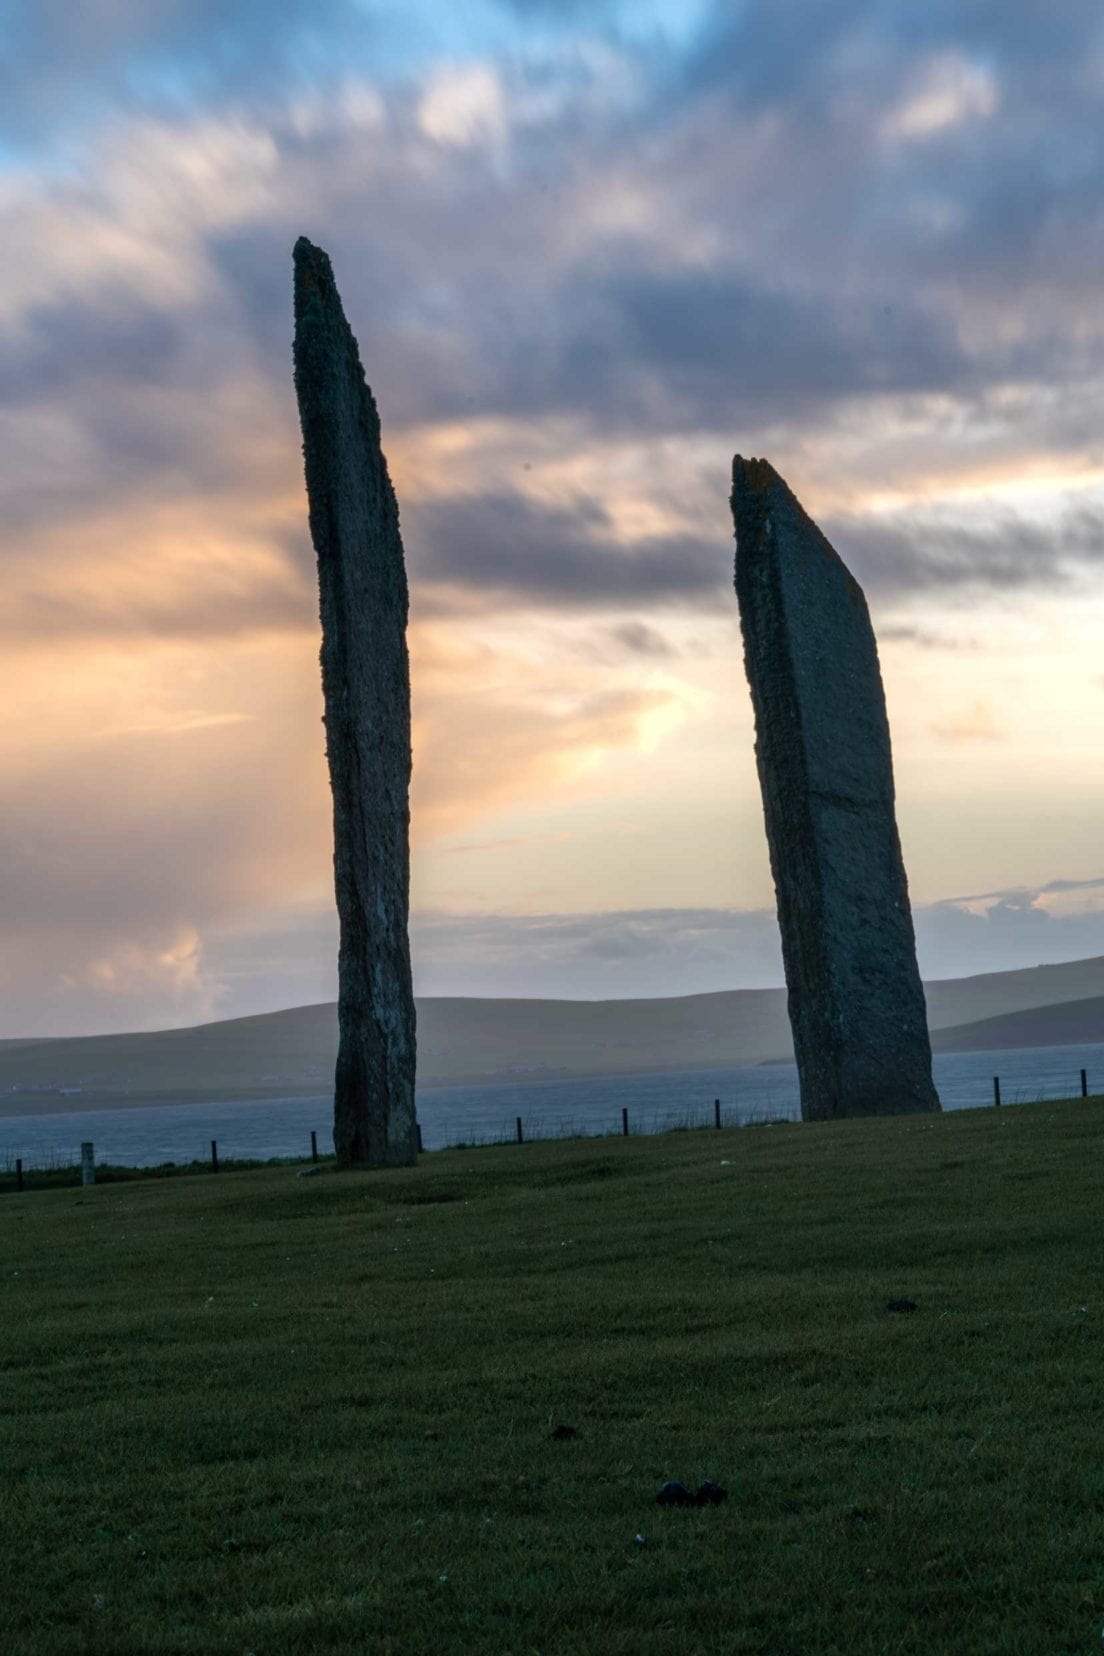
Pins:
x,y
562,555
1002,551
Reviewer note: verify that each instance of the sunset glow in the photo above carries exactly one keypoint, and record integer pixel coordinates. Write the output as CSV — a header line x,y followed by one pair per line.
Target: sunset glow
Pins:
x,y
589,253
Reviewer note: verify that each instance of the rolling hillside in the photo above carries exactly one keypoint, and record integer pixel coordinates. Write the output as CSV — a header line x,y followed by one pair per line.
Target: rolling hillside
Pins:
x,y
284,1054
1071,1023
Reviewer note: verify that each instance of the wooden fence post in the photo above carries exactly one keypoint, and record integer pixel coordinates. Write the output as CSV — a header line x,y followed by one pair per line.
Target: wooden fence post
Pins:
x,y
520,1135
716,1112
996,1091
314,1145
88,1164
1084,1084
214,1157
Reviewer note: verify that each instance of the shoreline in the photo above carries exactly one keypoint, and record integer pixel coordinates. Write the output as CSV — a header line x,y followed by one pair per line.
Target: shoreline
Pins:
x,y
84,1103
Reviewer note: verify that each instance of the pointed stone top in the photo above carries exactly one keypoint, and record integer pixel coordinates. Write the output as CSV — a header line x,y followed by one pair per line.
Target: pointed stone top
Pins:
x,y
327,361
758,490
753,476
314,281
760,495
311,261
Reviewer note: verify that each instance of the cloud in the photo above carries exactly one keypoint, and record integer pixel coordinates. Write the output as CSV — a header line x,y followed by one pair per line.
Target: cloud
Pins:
x,y
492,727
976,724
640,639
685,951
289,956
923,637
945,92
63,65
165,572
1005,930
170,967
463,106
647,951
593,10
1016,911
137,815
658,320
597,956
62,344
176,789
179,724
585,263
583,291
726,348
972,545
509,544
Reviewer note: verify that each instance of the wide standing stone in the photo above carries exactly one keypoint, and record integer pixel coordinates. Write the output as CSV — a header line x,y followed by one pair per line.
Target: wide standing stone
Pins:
x,y
354,523
822,747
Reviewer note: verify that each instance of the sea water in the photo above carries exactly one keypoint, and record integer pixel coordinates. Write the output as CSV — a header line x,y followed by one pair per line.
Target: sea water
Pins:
x,y
142,1137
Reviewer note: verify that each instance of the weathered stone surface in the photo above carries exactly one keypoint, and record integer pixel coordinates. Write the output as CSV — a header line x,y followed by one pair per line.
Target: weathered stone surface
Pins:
x,y
822,746
354,523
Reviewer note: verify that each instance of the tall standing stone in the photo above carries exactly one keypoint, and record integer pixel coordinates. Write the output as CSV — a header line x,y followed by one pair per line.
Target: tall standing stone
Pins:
x,y
822,747
354,523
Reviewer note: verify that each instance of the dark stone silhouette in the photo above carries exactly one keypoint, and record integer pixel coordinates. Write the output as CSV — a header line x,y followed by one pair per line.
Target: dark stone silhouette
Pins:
x,y
354,523
822,746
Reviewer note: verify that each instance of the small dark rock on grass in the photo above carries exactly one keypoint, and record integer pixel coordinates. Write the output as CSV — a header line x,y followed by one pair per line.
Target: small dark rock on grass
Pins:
x,y
900,1305
562,1432
674,1493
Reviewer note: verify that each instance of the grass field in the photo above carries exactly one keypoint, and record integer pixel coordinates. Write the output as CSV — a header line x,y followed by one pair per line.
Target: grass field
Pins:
x,y
268,1413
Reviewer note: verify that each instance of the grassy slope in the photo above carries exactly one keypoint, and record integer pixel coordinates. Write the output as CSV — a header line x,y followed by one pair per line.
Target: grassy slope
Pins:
x,y
268,1414
292,1052
458,1039
1069,1024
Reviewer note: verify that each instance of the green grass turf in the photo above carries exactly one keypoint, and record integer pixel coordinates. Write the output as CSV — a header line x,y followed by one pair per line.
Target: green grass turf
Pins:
x,y
259,1412
68,1173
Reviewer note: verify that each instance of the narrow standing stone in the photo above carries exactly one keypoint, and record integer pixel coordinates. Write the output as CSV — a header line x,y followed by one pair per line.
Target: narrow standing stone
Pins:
x,y
354,523
822,747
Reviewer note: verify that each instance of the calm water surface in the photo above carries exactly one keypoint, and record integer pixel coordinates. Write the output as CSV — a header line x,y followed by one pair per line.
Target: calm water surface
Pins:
x,y
451,1115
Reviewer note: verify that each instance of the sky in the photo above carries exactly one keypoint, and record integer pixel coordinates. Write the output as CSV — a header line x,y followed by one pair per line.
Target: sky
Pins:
x,y
590,251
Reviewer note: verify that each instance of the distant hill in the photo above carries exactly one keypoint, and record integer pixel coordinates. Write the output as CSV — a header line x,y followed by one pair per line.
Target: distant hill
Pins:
x,y
1071,1023
284,1054
291,1053
965,1000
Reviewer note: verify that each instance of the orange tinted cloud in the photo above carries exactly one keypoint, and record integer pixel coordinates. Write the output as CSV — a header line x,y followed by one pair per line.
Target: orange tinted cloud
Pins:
x,y
580,282
975,724
493,725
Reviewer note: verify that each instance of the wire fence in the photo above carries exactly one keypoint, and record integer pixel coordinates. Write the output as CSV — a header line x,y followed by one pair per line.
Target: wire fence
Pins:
x,y
528,1128
73,1164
